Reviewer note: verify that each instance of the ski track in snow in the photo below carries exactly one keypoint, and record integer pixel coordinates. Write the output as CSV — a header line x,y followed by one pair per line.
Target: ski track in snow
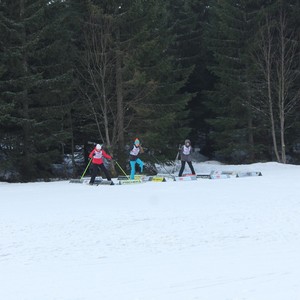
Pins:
x,y
228,239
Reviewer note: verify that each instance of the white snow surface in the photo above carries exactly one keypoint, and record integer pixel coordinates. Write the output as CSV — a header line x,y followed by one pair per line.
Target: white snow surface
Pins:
x,y
226,239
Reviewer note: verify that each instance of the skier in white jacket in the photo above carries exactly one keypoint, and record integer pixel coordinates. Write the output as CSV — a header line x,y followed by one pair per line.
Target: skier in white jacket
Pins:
x,y
186,157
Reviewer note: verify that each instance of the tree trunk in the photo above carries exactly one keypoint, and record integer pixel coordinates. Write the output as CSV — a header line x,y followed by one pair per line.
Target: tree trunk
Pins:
x,y
25,103
250,137
268,58
273,131
119,92
281,82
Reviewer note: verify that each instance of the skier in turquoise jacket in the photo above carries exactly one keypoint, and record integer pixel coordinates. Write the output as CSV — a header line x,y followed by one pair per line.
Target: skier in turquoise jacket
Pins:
x,y
134,159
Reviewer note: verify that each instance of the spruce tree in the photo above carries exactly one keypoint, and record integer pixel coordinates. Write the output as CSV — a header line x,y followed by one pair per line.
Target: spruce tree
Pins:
x,y
190,18
230,34
33,86
163,117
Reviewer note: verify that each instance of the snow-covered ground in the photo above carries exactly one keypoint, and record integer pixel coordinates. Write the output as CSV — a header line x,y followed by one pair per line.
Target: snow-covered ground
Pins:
x,y
226,239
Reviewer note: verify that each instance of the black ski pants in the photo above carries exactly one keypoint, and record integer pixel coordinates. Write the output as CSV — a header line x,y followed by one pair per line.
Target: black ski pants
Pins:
x,y
183,166
95,169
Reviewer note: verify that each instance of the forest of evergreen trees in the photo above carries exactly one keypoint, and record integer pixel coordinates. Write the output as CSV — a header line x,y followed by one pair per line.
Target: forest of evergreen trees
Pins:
x,y
222,73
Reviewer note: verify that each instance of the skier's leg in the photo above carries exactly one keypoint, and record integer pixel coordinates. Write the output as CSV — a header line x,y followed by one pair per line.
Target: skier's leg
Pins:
x,y
191,167
105,171
141,164
94,173
182,168
132,172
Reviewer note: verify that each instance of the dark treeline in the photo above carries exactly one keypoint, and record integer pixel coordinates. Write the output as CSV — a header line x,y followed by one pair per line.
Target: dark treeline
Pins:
x,y
72,72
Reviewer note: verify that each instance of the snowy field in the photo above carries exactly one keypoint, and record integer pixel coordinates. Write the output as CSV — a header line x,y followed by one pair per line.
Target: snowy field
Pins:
x,y
226,239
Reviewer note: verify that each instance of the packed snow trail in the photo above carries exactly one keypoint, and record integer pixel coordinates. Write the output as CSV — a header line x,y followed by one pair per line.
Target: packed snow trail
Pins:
x,y
225,239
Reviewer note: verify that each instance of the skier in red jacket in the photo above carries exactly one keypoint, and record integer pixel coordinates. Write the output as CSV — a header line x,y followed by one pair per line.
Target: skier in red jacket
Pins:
x,y
97,162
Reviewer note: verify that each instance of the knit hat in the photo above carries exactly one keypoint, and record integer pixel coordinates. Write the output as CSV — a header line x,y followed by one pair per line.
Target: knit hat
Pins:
x,y
137,141
98,147
187,141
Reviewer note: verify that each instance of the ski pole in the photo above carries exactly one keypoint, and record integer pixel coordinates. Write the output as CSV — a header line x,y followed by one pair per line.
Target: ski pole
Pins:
x,y
86,169
163,167
121,169
176,158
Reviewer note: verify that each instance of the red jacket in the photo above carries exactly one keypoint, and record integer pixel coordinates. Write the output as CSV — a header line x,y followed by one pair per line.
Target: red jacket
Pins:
x,y
97,157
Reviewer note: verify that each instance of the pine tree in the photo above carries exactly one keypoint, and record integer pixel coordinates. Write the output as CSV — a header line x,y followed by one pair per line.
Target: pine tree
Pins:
x,y
33,86
230,35
190,19
164,115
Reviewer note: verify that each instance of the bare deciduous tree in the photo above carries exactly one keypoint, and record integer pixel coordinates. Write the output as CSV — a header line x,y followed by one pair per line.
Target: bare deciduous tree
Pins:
x,y
287,67
98,65
276,57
